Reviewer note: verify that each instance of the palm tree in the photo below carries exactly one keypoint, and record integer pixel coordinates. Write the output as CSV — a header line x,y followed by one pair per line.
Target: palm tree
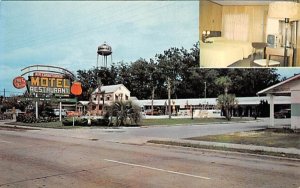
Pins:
x,y
225,82
123,111
226,101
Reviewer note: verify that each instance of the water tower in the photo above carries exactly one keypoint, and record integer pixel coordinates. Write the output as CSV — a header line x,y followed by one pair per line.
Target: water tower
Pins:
x,y
104,50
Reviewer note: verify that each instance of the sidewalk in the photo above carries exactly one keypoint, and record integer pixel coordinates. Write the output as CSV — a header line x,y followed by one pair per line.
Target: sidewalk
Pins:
x,y
235,146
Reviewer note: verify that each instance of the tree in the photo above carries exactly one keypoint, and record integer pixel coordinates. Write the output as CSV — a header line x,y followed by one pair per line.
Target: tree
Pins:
x,y
125,113
227,103
224,82
170,63
147,77
141,73
14,102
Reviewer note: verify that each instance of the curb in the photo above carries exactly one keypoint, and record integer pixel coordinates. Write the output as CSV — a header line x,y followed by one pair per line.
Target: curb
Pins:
x,y
224,151
269,151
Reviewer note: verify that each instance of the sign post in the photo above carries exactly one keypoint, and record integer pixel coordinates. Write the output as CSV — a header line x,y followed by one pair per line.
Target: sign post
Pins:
x,y
36,108
60,110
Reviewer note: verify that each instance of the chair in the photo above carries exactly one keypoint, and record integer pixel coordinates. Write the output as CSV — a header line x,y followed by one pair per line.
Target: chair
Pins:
x,y
262,62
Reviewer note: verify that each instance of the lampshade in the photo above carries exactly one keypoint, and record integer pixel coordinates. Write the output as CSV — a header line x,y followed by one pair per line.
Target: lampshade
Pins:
x,y
284,9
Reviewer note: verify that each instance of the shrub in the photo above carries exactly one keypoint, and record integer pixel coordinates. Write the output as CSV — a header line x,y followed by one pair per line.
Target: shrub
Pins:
x,y
26,118
84,122
100,122
77,122
67,122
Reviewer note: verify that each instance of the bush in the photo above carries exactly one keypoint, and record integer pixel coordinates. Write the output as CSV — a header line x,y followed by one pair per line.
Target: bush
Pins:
x,y
26,118
30,118
67,122
100,122
84,122
77,122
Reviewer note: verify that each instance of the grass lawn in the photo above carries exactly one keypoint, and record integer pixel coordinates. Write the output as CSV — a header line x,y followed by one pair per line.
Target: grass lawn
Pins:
x,y
144,122
267,137
181,121
56,125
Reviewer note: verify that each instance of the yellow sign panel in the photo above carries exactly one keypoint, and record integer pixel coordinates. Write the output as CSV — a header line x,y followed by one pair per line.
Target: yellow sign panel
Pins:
x,y
48,85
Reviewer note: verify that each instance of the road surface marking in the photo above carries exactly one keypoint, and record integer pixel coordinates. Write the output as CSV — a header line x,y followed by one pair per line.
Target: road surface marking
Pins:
x,y
158,169
5,141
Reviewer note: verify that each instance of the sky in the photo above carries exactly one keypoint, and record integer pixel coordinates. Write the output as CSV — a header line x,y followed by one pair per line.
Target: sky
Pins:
x,y
67,34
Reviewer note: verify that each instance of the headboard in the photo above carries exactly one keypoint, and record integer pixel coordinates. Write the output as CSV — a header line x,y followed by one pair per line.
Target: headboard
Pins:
x,y
214,34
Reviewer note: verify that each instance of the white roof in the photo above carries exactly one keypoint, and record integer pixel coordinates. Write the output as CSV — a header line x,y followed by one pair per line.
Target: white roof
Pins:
x,y
84,103
272,88
133,99
110,88
212,101
208,101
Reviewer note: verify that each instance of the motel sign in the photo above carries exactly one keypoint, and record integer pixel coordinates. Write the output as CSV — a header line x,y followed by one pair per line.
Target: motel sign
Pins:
x,y
51,84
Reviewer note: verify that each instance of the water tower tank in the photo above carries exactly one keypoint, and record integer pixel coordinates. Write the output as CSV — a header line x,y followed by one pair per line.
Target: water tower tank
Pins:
x,y
104,50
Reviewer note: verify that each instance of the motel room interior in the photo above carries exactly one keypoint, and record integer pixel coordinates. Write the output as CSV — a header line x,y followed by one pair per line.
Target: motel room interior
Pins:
x,y
252,33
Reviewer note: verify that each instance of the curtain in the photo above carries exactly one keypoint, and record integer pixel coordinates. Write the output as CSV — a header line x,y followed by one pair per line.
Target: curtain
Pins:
x,y
236,26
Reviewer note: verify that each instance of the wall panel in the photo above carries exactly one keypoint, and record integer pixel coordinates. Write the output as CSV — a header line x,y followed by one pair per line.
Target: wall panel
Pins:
x,y
210,16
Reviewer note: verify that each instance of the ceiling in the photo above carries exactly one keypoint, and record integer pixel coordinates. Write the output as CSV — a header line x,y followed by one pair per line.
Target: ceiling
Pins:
x,y
244,2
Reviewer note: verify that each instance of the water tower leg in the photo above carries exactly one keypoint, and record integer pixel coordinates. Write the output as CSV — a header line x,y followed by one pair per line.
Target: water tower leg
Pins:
x,y
97,60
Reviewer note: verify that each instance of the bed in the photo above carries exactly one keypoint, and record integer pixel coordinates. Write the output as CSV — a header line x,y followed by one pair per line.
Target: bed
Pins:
x,y
218,55
220,52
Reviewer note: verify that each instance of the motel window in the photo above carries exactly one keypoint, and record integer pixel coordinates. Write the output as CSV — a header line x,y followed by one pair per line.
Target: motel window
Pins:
x,y
107,98
126,97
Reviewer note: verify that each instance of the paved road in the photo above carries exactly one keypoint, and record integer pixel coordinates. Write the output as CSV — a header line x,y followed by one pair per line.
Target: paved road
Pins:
x,y
142,135
75,158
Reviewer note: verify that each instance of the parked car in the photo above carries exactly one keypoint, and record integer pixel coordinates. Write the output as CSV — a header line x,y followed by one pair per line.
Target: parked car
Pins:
x,y
63,112
155,112
284,113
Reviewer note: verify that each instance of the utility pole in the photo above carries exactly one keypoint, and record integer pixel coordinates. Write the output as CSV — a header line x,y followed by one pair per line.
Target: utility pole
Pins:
x,y
169,97
152,109
205,90
4,93
98,95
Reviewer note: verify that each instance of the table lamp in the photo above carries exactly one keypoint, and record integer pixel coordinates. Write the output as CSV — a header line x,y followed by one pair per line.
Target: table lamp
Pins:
x,y
288,12
205,34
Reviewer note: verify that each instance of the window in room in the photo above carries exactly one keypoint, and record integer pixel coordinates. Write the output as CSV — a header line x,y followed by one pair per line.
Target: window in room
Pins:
x,y
236,26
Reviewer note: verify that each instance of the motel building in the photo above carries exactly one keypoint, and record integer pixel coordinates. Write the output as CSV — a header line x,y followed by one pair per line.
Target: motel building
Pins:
x,y
106,96
288,88
203,108
200,107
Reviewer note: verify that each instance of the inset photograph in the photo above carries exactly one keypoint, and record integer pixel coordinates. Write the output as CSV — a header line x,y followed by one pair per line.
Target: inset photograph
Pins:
x,y
249,33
